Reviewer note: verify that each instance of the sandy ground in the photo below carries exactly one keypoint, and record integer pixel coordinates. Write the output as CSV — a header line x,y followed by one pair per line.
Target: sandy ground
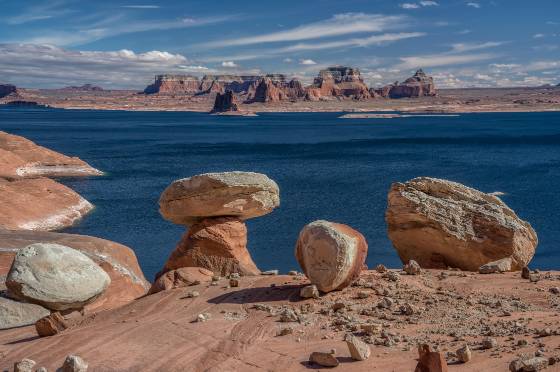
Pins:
x,y
160,332
447,101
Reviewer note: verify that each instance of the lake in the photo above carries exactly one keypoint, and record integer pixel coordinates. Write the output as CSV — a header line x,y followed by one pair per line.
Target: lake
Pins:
x,y
327,168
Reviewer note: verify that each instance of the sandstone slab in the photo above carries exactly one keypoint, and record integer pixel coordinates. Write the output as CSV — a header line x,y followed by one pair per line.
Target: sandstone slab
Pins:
x,y
235,194
332,255
55,276
442,224
18,314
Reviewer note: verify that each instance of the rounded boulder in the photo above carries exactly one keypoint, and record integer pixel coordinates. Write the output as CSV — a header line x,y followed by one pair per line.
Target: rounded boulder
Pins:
x,y
332,255
56,277
228,194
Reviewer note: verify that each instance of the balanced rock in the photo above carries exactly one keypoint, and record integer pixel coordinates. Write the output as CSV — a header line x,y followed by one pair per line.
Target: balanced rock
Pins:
x,y
181,277
332,255
442,224
217,244
18,314
235,194
55,276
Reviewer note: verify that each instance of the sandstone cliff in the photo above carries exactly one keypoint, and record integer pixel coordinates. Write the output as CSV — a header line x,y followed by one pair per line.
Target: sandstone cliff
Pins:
x,y
275,88
173,84
418,85
338,81
225,102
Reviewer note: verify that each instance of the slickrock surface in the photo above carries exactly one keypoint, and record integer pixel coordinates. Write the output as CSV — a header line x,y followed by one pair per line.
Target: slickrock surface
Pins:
x,y
118,261
241,194
217,244
442,224
20,157
39,204
332,255
451,309
55,276
16,314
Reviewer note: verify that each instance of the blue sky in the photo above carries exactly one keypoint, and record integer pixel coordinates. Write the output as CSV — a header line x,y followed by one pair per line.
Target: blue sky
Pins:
x,y
122,44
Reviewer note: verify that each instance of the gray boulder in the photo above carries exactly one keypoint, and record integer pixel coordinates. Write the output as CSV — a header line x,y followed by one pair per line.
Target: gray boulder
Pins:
x,y
18,314
56,277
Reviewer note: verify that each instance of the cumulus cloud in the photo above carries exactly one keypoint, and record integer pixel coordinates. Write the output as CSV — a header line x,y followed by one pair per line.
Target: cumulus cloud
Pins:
x,y
409,6
307,62
418,5
50,66
340,24
229,64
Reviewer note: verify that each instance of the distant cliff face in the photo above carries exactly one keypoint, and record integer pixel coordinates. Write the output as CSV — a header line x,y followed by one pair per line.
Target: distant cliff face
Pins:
x,y
338,81
83,88
174,84
221,83
7,89
418,85
275,88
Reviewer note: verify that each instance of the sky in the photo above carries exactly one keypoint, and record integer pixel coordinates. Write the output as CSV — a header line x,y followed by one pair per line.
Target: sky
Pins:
x,y
124,43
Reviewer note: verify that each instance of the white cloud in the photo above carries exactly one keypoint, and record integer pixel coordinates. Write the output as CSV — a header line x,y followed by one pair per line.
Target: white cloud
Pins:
x,y
39,12
474,5
358,42
229,64
429,3
409,6
538,36
443,59
340,24
543,65
467,47
51,66
288,60
307,62
464,32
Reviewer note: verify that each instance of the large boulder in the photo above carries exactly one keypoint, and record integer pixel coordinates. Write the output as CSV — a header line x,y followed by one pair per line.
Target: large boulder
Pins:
x,y
117,260
442,224
240,194
39,204
217,244
332,255
18,314
55,276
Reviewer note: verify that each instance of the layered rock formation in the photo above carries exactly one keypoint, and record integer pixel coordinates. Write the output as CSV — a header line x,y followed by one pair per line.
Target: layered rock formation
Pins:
x,y
55,276
83,88
443,224
226,102
275,88
220,83
331,255
127,281
418,85
214,206
173,84
338,81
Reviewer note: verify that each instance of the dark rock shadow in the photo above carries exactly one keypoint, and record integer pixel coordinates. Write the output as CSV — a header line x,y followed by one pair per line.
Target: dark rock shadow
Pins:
x,y
22,340
260,295
310,365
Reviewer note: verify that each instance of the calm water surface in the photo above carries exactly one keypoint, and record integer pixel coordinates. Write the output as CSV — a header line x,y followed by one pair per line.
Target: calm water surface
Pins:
x,y
326,167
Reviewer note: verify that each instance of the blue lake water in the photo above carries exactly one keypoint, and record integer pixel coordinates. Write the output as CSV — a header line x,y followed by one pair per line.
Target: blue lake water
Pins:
x,y
326,167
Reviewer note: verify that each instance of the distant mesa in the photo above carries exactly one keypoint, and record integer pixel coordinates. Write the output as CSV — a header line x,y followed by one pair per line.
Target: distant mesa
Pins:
x,y
336,82
7,89
83,88
419,85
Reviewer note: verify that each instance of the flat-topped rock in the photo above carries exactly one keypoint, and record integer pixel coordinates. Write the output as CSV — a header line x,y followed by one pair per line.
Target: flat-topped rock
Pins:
x,y
117,260
56,277
332,255
18,314
230,194
442,224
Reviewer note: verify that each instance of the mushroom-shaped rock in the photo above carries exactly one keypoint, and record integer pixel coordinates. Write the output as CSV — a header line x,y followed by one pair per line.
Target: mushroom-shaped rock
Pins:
x,y
442,224
236,194
332,255
217,244
55,276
